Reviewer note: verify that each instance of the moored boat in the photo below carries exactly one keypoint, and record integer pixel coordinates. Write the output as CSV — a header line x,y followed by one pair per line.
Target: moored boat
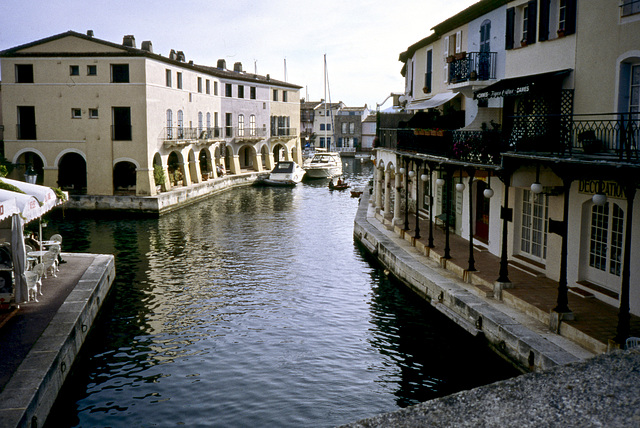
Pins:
x,y
285,173
324,165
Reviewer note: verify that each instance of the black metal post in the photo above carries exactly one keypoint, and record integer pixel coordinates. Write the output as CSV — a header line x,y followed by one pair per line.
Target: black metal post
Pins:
x,y
563,297
472,263
418,164
506,215
447,252
624,318
430,207
406,195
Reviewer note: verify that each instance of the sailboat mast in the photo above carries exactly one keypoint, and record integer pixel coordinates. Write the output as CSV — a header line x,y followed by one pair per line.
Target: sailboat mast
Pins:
x,y
325,104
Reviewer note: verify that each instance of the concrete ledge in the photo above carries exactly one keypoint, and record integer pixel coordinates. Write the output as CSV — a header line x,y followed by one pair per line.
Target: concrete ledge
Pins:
x,y
30,393
525,348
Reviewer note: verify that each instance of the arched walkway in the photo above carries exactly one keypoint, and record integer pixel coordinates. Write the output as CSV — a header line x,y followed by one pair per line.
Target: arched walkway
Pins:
x,y
72,173
124,178
29,161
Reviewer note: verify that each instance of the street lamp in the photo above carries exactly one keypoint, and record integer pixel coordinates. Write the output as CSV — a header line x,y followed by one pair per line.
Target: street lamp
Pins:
x,y
30,176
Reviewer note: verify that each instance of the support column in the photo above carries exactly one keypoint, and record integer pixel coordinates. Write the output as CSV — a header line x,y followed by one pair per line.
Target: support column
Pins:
x,y
472,265
562,306
379,178
406,195
506,214
430,206
387,192
418,165
624,317
447,250
397,199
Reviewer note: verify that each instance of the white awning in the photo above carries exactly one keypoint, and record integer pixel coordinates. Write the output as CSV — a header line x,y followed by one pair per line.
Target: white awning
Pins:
x,y
45,195
435,101
27,205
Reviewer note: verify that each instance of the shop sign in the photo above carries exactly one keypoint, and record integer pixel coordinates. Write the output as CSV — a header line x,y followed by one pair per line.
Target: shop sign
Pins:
x,y
609,188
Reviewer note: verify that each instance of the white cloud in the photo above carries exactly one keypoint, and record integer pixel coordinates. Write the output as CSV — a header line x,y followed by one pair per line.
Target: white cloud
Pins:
x,y
362,39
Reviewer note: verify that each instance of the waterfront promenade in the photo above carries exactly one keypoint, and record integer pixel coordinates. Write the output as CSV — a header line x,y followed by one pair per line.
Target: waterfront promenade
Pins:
x,y
517,324
40,340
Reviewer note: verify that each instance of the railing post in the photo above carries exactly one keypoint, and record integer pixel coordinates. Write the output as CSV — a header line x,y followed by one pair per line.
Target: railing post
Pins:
x,y
471,172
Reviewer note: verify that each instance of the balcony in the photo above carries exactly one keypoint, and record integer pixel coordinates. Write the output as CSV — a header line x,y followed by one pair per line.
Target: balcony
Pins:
x,y
609,136
283,133
249,134
472,67
181,136
612,137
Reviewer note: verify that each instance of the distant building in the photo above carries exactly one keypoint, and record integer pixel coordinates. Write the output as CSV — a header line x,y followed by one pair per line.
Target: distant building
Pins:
x,y
368,133
348,132
96,117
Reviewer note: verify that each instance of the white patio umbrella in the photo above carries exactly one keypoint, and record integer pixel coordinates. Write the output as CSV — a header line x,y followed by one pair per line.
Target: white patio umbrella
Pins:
x,y
45,195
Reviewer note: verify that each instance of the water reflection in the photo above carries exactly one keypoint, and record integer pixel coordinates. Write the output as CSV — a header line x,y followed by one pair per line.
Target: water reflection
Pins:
x,y
255,308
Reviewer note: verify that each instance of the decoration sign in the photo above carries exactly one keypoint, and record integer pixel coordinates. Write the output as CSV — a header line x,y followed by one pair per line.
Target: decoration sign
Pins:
x,y
506,92
609,188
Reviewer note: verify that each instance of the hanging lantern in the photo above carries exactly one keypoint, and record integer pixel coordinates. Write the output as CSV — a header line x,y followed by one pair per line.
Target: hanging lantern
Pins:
x,y
424,177
440,182
460,187
488,193
412,174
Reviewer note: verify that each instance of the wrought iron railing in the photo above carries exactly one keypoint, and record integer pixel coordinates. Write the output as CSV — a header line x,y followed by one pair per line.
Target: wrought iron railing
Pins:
x,y
283,132
250,133
606,135
472,66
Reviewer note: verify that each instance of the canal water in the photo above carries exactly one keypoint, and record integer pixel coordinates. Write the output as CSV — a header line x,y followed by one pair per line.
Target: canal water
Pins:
x,y
256,308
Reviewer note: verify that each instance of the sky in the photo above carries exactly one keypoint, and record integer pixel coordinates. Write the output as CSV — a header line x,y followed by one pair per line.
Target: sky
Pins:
x,y
287,39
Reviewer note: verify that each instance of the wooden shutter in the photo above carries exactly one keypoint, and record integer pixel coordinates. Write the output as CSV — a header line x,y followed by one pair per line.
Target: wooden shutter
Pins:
x,y
570,17
533,14
459,42
543,28
511,19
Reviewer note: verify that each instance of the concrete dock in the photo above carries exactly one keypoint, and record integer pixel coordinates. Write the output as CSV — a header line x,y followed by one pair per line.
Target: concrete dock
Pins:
x,y
40,340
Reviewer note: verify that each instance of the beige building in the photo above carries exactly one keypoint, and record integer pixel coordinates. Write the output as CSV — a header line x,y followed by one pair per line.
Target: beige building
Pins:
x,y
94,117
525,138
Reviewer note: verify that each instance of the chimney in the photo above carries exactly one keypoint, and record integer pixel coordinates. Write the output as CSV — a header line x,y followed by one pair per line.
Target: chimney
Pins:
x,y
268,78
237,67
147,46
90,33
172,55
180,56
129,41
222,64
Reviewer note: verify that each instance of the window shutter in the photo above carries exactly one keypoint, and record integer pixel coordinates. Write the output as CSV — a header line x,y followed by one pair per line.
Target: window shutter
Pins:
x,y
458,41
543,28
533,14
570,17
511,17
445,51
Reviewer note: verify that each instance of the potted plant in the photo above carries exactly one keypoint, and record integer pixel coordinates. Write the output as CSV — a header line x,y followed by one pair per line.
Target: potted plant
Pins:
x,y
460,55
158,177
561,32
177,177
473,75
523,42
450,58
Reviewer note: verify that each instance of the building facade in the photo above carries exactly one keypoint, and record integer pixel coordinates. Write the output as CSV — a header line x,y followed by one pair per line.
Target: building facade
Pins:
x,y
524,140
99,118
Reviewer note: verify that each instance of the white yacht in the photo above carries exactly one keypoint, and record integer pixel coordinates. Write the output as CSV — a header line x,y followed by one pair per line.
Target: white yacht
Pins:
x,y
285,173
324,165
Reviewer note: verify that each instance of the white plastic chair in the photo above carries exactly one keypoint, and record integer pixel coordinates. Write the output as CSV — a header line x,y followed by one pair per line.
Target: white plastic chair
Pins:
x,y
50,261
632,342
32,285
39,271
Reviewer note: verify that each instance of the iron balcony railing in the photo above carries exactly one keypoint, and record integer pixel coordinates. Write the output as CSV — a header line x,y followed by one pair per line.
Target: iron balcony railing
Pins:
x,y
283,132
179,133
472,66
606,137
250,133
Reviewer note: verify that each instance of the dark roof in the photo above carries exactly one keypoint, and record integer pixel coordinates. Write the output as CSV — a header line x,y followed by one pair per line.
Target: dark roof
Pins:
x,y
469,14
130,51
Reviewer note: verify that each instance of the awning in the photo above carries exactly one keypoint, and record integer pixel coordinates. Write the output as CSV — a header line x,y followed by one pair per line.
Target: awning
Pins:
x,y
435,101
8,208
517,86
45,195
27,205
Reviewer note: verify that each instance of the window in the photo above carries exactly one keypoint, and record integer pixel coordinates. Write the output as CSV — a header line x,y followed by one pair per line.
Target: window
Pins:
x,y
630,7
208,120
606,238
216,124
168,77
228,125
24,73
240,91
241,125
562,14
92,70
119,73
634,96
200,84
429,73
252,93
93,113
228,90
121,123
76,113
200,122
535,215
284,96
180,124
275,95
208,86
344,127
26,123
252,125
525,23
352,128
215,88
179,78
322,127
74,70
169,124
328,127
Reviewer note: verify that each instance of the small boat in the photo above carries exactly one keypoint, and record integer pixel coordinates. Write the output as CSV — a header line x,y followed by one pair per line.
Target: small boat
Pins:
x,y
356,193
324,165
341,185
285,173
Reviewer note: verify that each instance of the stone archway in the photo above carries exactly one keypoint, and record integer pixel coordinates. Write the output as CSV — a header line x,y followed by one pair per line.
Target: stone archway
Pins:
x,y
29,161
124,178
72,173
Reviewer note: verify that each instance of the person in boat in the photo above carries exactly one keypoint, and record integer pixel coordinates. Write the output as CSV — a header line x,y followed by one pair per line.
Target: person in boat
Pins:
x,y
340,183
331,183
